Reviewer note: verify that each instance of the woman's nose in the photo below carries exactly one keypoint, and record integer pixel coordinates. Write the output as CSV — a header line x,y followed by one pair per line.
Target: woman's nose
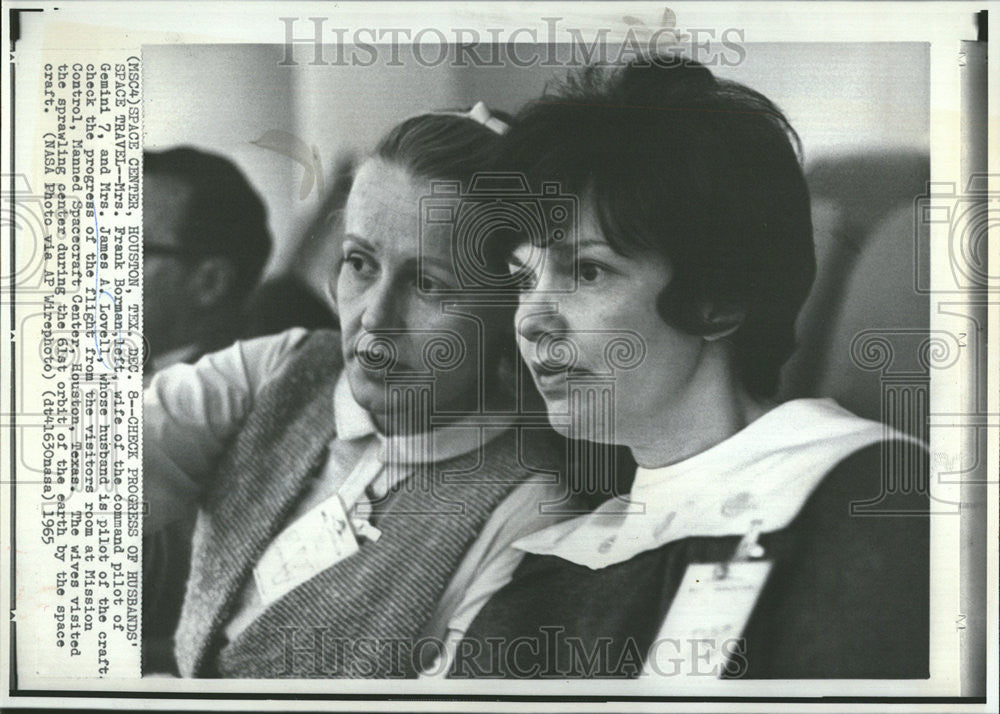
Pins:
x,y
533,320
380,308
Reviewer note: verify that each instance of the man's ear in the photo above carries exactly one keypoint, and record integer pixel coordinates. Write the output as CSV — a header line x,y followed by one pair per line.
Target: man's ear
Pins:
x,y
212,281
725,319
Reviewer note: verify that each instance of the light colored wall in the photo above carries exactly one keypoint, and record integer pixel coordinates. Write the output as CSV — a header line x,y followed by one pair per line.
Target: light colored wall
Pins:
x,y
846,97
842,98
220,98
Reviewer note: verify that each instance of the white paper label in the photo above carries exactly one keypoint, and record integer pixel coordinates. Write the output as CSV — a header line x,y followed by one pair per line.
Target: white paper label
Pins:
x,y
708,615
313,543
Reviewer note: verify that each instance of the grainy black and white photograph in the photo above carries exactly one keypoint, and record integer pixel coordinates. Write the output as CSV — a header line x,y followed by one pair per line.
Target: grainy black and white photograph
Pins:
x,y
518,354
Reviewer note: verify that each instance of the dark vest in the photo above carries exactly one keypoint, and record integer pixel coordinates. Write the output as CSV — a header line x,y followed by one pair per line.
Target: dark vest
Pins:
x,y
847,598
362,616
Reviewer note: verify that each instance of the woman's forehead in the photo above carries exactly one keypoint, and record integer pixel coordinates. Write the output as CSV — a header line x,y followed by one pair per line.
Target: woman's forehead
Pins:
x,y
382,195
585,231
384,208
384,204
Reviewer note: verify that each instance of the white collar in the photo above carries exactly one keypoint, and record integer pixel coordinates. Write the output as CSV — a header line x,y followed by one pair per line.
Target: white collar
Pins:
x,y
185,353
765,472
440,444
351,419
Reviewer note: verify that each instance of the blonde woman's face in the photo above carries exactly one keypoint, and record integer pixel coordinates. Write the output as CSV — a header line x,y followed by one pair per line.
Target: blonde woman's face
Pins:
x,y
395,323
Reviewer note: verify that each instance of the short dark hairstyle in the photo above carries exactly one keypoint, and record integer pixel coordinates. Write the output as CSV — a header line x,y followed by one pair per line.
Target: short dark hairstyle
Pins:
x,y
701,170
224,215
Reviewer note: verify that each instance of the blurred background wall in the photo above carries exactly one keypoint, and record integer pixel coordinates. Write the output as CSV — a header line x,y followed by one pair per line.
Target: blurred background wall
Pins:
x,y
842,99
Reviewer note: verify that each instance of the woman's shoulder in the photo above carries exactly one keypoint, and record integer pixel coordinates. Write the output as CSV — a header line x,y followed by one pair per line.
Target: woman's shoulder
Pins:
x,y
297,350
886,478
283,345
851,599
839,464
868,515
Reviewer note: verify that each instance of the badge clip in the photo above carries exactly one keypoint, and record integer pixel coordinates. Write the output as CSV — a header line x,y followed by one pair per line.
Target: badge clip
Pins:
x,y
748,549
364,529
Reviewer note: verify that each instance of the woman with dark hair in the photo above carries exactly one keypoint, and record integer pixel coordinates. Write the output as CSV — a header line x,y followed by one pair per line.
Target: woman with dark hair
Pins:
x,y
738,552
347,485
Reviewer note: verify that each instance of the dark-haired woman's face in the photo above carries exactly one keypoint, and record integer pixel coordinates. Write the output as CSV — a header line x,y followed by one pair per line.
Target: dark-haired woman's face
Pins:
x,y
589,329
389,299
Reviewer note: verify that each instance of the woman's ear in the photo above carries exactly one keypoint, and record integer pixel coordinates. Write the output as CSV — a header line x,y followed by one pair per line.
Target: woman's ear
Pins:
x,y
330,288
212,281
722,320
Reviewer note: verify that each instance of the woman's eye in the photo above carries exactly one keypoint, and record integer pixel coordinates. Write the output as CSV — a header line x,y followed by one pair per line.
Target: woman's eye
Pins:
x,y
360,264
430,284
590,272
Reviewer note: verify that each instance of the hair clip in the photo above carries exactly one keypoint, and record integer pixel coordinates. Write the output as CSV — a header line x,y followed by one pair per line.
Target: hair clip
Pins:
x,y
480,114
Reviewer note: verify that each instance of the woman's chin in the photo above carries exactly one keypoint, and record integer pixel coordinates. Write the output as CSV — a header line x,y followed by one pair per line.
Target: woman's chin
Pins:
x,y
367,388
572,426
560,425
586,426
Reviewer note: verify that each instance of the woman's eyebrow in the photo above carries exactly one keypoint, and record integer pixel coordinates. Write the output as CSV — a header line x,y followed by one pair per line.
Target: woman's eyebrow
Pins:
x,y
431,261
361,242
594,243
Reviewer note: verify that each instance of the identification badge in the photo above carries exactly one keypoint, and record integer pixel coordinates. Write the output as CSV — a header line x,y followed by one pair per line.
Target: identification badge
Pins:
x,y
709,613
316,541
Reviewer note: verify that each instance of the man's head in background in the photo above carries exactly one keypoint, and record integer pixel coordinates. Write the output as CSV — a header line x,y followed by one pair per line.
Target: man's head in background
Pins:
x,y
206,242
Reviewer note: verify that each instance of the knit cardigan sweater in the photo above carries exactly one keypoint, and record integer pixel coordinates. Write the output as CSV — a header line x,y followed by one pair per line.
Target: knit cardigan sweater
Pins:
x,y
362,616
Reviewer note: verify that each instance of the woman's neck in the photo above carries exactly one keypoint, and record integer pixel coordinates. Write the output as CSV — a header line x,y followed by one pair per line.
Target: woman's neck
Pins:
x,y
712,408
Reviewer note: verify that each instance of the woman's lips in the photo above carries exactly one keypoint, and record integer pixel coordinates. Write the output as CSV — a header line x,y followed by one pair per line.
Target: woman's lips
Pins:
x,y
548,378
378,362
